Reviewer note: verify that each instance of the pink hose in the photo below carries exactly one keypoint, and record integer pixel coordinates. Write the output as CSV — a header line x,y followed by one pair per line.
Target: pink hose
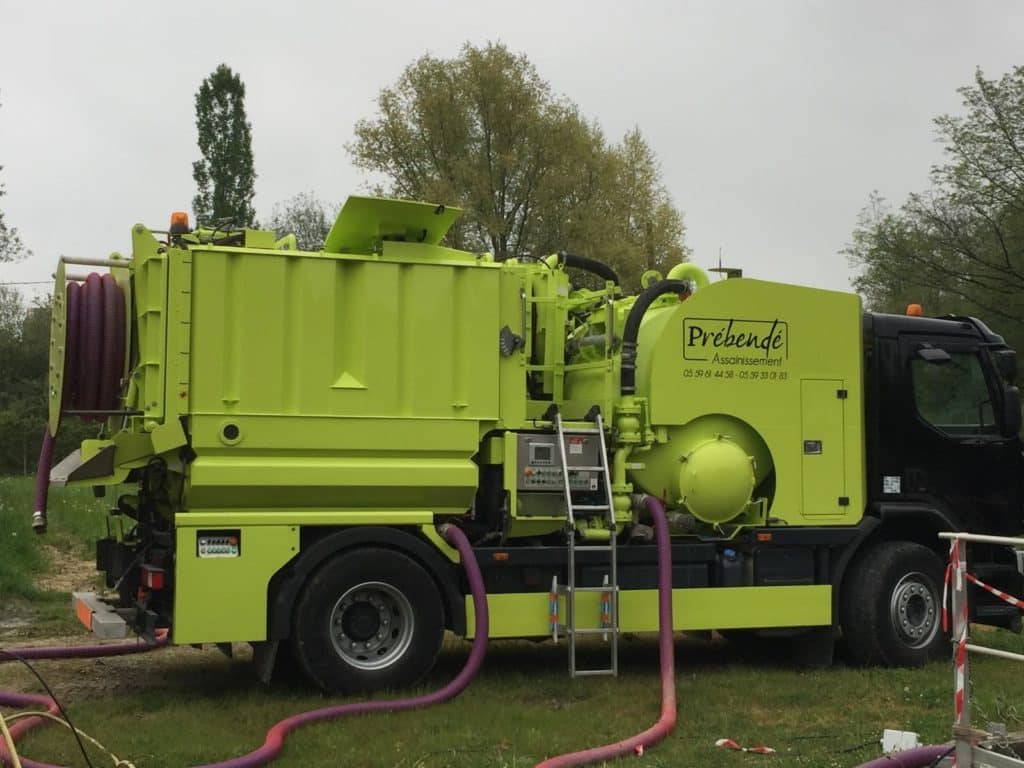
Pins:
x,y
11,699
919,757
275,736
667,721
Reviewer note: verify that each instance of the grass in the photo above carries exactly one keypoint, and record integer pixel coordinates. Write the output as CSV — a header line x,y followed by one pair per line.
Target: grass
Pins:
x,y
76,520
186,707
202,707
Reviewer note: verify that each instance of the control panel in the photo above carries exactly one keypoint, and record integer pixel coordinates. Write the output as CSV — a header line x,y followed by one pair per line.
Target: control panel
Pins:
x,y
218,544
540,466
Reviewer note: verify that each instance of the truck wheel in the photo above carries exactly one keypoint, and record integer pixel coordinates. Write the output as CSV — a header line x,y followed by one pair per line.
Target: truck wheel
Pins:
x,y
892,606
367,620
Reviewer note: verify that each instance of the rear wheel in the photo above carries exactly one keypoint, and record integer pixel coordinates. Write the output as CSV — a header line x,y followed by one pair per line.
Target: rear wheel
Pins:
x,y
892,606
367,620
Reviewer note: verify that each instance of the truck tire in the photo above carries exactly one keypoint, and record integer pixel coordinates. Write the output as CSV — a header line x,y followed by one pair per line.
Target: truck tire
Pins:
x,y
891,606
367,620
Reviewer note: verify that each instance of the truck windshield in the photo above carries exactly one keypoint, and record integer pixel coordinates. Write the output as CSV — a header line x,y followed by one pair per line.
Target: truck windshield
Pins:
x,y
953,396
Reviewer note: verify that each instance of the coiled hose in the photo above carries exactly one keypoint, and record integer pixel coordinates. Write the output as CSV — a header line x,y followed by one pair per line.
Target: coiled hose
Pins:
x,y
94,348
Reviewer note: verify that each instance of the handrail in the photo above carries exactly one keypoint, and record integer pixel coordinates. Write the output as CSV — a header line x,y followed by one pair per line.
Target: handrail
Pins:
x,y
957,578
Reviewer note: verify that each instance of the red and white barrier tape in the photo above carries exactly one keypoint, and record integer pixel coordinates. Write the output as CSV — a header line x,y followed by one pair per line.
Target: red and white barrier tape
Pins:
x,y
1015,602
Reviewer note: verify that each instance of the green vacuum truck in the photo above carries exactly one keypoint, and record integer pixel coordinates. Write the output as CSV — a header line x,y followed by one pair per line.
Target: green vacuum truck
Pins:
x,y
288,429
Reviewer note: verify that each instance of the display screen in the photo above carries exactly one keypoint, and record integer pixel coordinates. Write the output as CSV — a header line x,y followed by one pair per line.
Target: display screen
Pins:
x,y
541,453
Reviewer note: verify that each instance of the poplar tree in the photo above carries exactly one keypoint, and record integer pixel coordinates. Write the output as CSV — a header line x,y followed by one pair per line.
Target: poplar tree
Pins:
x,y
224,176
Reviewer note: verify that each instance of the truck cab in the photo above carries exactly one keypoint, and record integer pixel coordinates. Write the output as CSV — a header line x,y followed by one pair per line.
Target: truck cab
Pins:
x,y
943,420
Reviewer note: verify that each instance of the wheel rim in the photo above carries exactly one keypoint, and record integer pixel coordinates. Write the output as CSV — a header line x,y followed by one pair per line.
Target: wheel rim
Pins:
x,y
371,625
912,610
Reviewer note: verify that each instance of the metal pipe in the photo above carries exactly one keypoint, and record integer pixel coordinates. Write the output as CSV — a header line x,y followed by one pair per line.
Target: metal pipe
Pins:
x,y
83,262
982,538
985,651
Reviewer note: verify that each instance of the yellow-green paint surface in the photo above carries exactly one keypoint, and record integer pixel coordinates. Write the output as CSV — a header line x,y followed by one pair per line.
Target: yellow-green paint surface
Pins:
x,y
782,362
224,599
524,614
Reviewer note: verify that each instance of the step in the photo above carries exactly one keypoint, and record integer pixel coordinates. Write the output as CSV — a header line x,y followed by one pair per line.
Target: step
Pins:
x,y
99,617
592,630
592,672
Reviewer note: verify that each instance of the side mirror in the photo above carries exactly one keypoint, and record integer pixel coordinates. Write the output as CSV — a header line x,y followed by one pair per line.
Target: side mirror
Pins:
x,y
932,354
1011,412
1006,362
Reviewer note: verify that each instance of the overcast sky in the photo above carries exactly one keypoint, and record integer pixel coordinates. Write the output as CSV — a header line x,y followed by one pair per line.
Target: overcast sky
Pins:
x,y
773,121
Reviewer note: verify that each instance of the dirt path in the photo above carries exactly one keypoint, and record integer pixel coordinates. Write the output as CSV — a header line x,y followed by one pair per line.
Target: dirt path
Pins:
x,y
165,669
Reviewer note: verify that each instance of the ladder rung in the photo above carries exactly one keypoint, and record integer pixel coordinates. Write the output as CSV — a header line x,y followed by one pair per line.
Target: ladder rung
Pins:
x,y
606,588
574,468
594,547
592,630
591,507
593,672
581,432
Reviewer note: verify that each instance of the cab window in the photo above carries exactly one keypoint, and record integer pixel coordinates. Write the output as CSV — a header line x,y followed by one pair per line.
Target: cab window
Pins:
x,y
953,395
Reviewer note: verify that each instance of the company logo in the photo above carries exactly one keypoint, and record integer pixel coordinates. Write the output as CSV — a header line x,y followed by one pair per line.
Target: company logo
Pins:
x,y
732,341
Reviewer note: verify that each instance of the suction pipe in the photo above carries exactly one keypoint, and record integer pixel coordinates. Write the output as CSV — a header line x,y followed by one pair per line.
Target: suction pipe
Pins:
x,y
12,699
275,736
919,757
667,721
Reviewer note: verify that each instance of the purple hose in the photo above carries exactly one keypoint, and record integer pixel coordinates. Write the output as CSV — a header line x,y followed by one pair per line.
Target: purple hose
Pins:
x,y
11,699
42,490
276,735
94,339
667,721
919,757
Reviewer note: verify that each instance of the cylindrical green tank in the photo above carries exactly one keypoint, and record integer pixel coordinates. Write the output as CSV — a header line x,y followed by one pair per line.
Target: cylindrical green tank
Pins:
x,y
710,466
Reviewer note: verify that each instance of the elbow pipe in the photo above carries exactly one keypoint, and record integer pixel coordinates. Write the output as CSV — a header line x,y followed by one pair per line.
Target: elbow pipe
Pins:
x,y
592,266
632,328
662,728
688,271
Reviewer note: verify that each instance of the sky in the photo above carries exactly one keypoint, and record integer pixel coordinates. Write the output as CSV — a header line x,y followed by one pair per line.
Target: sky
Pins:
x,y
773,121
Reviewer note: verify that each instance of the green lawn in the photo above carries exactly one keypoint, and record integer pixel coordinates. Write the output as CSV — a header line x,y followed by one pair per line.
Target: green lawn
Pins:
x,y
185,707
76,520
199,707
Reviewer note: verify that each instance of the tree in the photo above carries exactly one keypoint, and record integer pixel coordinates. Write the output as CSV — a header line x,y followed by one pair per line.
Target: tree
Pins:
x,y
10,242
959,246
485,132
224,176
307,217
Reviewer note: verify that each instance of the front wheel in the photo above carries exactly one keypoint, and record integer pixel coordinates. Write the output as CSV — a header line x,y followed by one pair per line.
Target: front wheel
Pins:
x,y
367,620
892,606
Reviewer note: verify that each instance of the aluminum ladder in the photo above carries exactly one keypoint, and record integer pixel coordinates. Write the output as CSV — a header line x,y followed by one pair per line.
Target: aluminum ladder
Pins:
x,y
609,590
